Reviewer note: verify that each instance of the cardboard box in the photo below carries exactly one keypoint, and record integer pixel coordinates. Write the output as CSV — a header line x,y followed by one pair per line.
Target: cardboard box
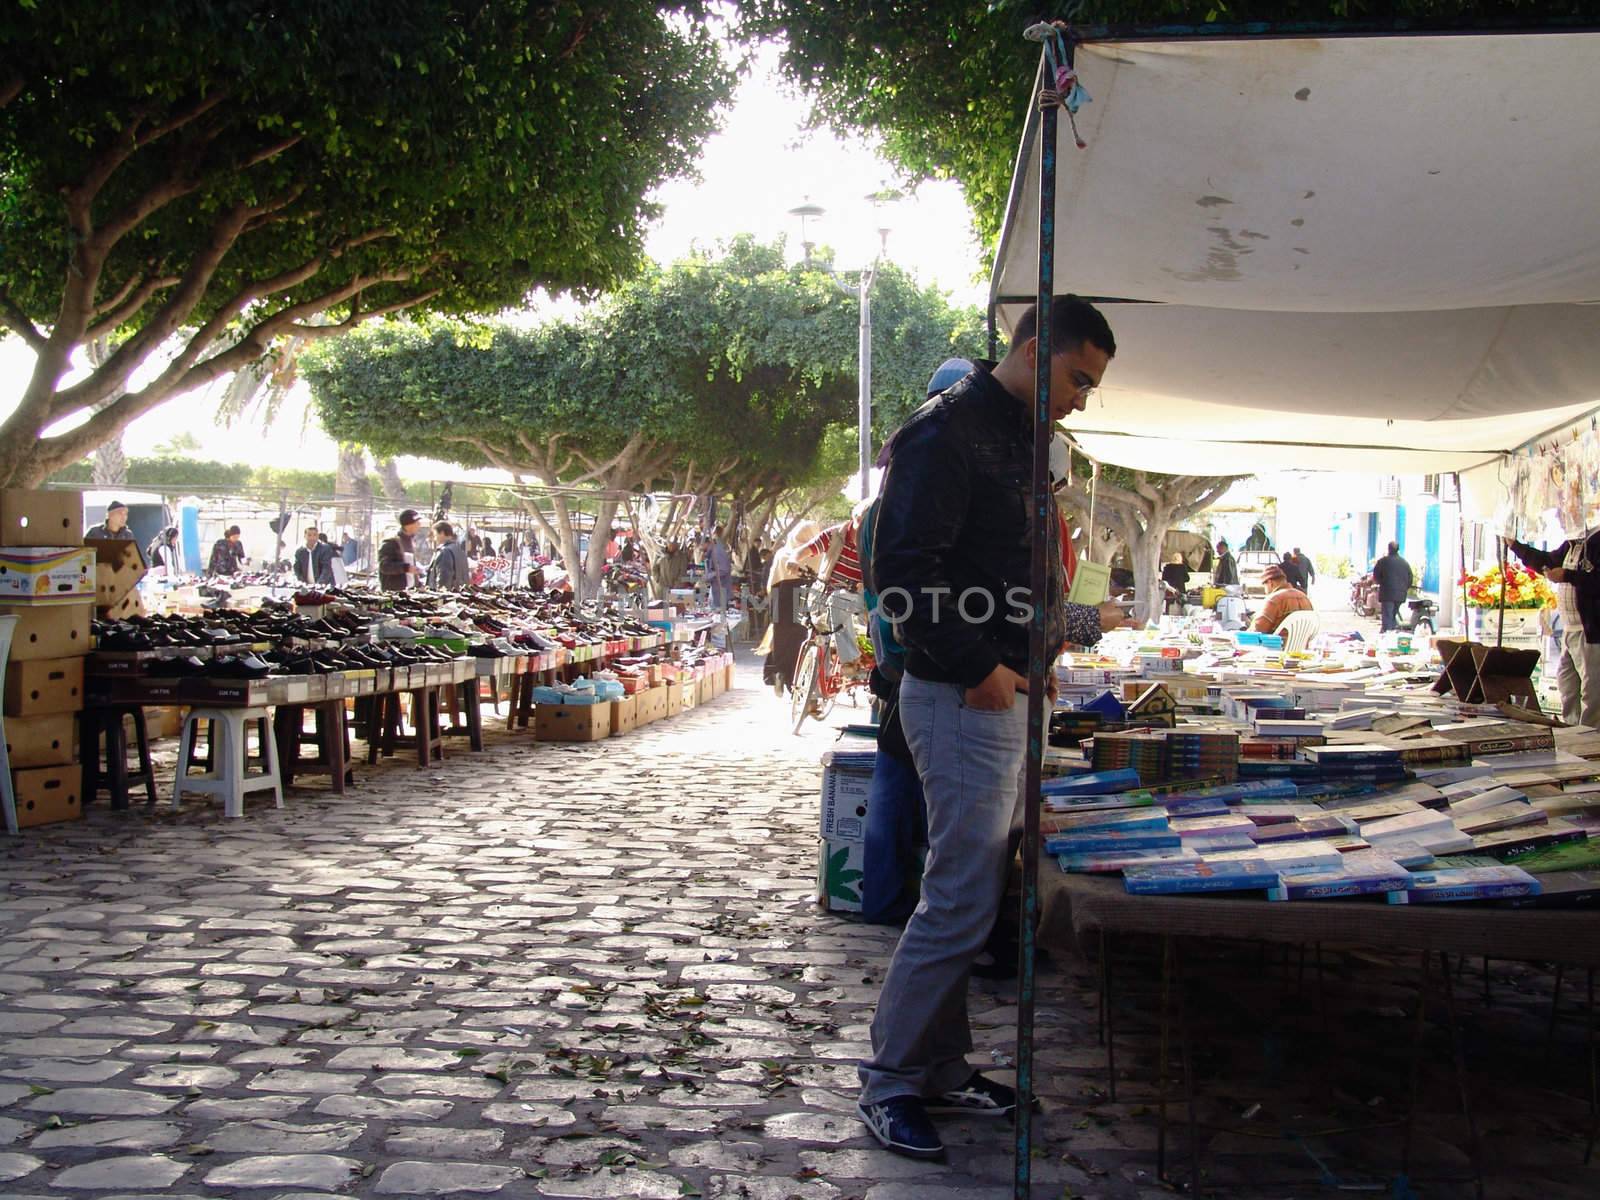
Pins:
x,y
840,868
727,685
48,794
163,721
675,698
49,630
705,690
42,741
572,722
46,575
844,804
48,685
118,568
131,605
40,518
624,715
652,704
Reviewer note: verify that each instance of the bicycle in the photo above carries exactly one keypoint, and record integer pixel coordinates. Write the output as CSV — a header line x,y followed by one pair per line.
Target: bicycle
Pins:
x,y
819,677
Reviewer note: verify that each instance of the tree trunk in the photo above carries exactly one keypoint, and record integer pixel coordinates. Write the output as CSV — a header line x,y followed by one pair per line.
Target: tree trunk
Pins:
x,y
109,463
394,490
595,564
1144,548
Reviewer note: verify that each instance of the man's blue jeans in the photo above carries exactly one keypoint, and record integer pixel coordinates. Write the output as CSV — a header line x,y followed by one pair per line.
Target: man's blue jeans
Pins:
x,y
897,829
970,764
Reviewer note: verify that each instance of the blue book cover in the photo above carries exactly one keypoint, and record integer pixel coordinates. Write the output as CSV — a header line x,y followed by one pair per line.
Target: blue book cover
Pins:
x,y
1466,883
1104,840
1243,792
1095,783
1194,806
1117,860
1359,873
1174,878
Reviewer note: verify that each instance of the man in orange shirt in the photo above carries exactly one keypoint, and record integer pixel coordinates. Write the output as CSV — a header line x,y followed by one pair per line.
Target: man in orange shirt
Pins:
x,y
1281,600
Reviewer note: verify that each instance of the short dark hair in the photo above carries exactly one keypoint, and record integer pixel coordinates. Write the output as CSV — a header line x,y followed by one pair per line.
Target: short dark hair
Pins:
x,y
444,529
1073,321
232,529
1394,547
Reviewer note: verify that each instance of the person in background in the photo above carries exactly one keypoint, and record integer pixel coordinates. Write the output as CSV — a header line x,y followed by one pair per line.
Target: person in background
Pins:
x,y
227,555
1394,578
313,562
835,556
508,546
1175,575
350,549
1283,598
1226,571
719,571
449,568
114,527
1571,566
163,550
1308,569
397,556
1292,574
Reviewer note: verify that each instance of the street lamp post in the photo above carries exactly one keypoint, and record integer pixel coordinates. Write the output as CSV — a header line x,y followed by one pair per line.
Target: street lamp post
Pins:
x,y
869,276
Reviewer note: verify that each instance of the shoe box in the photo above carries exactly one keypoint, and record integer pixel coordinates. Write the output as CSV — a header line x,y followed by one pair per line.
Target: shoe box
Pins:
x,y
46,795
42,686
48,741
49,630
572,722
30,518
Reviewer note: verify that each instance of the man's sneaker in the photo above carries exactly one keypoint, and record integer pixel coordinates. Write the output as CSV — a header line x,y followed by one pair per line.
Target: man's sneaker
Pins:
x,y
977,1097
901,1124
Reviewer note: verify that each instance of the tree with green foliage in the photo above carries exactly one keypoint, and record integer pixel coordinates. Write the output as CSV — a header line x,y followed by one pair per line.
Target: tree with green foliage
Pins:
x,y
204,179
718,375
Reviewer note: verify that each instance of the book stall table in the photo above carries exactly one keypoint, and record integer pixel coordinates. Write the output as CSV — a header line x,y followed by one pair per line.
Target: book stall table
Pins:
x,y
1078,912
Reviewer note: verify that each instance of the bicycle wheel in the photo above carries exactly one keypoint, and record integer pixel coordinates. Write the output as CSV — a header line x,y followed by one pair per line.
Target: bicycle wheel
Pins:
x,y
829,681
805,691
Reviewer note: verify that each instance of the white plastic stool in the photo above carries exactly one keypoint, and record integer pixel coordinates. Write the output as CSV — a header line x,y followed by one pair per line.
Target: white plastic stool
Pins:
x,y
8,625
227,777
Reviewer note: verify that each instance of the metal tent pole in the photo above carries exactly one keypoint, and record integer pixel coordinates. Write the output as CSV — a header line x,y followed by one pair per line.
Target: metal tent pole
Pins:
x,y
1042,507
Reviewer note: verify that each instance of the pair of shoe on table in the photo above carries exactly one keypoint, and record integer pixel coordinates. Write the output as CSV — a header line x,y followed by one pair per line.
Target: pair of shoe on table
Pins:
x,y
901,1123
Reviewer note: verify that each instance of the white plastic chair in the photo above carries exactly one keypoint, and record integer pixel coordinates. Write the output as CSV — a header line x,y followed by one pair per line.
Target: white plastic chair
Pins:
x,y
8,625
1297,630
229,778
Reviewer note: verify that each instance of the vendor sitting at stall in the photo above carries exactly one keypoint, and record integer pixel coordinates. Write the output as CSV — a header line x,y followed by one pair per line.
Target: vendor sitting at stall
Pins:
x,y
1282,599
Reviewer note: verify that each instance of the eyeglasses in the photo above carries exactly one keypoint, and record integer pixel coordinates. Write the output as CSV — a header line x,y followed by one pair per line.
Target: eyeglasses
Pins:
x,y
1086,386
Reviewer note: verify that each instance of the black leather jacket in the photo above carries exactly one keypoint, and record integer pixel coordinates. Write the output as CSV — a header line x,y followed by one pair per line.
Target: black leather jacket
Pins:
x,y
952,525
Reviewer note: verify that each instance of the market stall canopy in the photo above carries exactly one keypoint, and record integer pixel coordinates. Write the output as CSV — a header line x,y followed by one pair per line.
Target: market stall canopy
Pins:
x,y
1384,247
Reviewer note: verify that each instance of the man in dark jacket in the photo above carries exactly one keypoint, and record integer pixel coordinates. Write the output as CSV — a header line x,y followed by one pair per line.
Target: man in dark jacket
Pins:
x,y
1574,567
1226,571
313,562
114,527
227,554
449,567
1393,576
951,564
397,556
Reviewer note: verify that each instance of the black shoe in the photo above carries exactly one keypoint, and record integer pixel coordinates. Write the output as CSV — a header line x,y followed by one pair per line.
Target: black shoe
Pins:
x,y
901,1125
977,1097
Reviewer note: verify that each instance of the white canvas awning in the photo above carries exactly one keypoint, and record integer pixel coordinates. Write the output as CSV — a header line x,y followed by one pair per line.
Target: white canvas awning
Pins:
x,y
1383,248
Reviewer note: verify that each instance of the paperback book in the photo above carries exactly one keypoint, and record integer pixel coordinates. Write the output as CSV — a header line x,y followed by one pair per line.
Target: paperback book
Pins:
x,y
1434,886
1363,873
1247,874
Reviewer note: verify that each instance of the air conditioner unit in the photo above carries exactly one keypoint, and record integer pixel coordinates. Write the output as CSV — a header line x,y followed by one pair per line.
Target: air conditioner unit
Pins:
x,y
1430,485
1450,488
1389,487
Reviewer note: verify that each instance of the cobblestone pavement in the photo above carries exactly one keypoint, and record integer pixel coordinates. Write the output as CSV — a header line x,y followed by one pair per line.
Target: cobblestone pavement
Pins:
x,y
544,970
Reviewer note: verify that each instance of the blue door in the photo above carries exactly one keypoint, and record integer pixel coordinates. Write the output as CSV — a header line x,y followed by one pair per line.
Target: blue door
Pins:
x,y
1400,527
1430,570
1372,536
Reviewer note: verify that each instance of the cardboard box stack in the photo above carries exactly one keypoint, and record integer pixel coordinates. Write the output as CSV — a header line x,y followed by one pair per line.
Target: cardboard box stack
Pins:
x,y
47,581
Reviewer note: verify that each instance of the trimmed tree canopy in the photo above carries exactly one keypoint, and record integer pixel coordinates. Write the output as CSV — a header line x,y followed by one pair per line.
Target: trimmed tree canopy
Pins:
x,y
718,374
200,178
